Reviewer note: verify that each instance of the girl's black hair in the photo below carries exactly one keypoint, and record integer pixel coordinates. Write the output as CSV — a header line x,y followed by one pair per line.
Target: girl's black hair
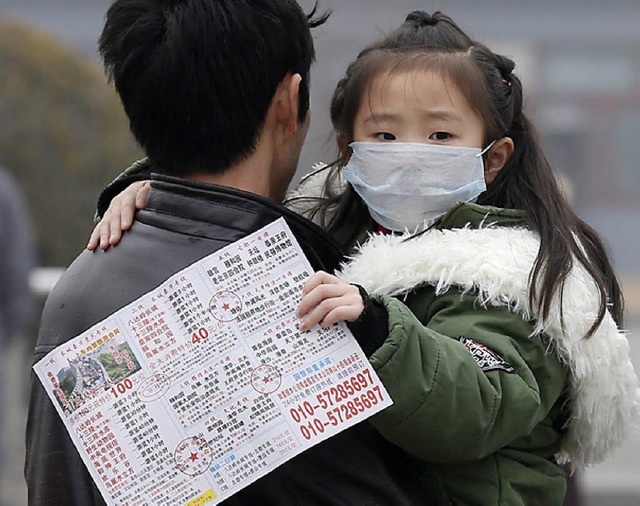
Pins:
x,y
526,182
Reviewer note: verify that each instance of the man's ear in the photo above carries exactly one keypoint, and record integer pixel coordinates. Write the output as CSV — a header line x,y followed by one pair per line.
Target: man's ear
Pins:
x,y
288,104
497,157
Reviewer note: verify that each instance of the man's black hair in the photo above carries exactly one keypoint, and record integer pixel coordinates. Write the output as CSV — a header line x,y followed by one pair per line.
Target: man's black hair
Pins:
x,y
196,77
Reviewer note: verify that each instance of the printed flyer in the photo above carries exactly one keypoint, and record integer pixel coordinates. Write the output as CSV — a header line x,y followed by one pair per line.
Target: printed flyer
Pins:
x,y
205,384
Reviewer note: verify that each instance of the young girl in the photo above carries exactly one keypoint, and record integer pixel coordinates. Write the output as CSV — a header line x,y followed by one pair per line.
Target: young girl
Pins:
x,y
488,308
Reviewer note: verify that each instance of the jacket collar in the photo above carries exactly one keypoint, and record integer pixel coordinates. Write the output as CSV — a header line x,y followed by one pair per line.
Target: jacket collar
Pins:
x,y
210,211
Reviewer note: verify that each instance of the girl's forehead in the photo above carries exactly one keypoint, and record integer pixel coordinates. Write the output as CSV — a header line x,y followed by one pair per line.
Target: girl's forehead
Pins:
x,y
417,87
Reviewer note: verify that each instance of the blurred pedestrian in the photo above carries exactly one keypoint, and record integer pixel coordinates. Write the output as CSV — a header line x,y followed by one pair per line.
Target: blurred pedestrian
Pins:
x,y
16,261
16,256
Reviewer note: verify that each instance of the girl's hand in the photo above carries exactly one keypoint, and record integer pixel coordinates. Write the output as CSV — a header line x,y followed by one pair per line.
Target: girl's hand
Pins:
x,y
119,216
327,300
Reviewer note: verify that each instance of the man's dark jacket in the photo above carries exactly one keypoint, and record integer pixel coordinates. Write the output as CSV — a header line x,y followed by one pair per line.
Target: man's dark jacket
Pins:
x,y
183,222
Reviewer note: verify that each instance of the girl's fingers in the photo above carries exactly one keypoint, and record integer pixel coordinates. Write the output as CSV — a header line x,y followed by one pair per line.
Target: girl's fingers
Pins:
x,y
341,314
127,212
327,300
318,296
94,240
100,235
317,279
119,216
142,195
128,201
319,312
328,314
113,217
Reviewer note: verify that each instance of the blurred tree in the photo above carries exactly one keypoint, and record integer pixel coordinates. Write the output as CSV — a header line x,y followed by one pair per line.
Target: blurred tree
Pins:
x,y
63,135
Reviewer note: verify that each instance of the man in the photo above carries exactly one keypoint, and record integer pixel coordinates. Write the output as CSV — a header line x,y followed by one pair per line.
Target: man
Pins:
x,y
216,92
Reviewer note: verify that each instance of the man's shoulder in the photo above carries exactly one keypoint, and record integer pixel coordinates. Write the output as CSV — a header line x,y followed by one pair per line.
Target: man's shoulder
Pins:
x,y
99,283
83,296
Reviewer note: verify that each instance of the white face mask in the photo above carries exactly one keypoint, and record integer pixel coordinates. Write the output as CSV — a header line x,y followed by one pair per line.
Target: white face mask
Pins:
x,y
407,186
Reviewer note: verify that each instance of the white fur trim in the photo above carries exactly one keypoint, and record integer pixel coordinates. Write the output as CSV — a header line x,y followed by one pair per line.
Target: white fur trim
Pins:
x,y
311,186
496,262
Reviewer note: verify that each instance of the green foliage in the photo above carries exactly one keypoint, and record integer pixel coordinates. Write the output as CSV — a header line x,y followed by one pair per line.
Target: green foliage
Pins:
x,y
63,135
118,372
68,382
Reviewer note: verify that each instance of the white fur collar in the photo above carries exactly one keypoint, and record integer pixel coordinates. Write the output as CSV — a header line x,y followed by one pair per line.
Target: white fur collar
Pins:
x,y
302,198
496,262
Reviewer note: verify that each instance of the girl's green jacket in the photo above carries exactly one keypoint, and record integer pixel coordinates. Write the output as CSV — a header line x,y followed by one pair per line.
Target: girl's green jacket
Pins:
x,y
486,394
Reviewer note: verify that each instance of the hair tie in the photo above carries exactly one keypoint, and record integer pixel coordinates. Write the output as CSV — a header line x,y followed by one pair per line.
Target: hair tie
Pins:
x,y
505,66
422,18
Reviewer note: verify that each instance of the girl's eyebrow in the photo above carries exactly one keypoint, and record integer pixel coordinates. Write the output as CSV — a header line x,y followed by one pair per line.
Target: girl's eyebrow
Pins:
x,y
380,117
441,114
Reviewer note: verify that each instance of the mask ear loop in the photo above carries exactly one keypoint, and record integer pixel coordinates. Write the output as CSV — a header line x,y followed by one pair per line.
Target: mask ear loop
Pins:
x,y
486,149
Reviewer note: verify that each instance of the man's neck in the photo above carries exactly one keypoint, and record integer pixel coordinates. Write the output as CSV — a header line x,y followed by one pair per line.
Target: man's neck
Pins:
x,y
254,175
249,181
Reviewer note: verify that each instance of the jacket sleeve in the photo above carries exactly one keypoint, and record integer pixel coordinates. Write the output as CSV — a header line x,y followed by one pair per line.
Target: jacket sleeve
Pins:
x,y
448,405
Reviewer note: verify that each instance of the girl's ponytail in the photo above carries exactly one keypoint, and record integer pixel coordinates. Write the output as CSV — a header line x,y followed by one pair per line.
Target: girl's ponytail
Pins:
x,y
527,182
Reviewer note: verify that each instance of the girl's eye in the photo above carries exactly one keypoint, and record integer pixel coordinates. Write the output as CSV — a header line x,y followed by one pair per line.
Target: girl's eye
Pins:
x,y
439,136
385,136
